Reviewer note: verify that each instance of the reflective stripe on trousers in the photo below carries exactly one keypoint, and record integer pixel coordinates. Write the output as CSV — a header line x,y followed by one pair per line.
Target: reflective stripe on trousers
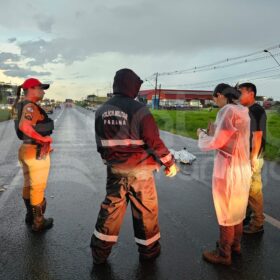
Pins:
x,y
141,192
149,241
104,237
121,142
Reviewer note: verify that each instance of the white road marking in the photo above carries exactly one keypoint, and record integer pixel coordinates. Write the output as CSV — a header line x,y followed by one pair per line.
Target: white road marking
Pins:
x,y
268,219
55,120
180,136
274,222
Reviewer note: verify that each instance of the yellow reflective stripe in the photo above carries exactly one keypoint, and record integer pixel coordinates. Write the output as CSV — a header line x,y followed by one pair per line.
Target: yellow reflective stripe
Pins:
x,y
166,158
104,237
148,241
121,142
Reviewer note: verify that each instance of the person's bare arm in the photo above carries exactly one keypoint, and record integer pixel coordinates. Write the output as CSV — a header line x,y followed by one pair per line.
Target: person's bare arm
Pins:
x,y
256,144
27,122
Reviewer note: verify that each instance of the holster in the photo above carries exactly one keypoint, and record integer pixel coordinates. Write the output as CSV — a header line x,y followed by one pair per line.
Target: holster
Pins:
x,y
38,152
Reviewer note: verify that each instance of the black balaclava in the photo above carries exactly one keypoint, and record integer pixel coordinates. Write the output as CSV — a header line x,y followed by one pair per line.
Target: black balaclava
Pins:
x,y
126,83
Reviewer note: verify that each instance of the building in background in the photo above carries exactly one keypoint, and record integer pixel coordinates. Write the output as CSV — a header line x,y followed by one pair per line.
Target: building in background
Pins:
x,y
171,98
7,93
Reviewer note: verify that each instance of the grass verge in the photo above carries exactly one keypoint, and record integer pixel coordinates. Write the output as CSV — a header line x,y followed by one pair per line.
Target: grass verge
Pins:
x,y
4,115
186,123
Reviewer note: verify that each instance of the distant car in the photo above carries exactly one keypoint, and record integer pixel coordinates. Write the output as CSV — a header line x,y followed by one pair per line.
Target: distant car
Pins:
x,y
68,103
6,107
91,108
57,106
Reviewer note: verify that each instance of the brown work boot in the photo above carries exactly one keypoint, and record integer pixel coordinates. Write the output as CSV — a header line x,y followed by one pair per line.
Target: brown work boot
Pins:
x,y
40,223
215,257
235,249
252,229
29,213
44,205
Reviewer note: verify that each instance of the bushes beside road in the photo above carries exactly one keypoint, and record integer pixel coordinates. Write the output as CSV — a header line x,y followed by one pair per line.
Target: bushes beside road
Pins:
x,y
4,115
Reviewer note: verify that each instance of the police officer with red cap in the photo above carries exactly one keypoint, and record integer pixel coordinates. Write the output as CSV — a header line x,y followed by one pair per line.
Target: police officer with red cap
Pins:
x,y
34,127
128,141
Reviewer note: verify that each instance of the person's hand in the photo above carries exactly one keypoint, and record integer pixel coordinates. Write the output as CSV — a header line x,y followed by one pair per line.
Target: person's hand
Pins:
x,y
46,140
45,150
254,164
211,129
199,130
171,171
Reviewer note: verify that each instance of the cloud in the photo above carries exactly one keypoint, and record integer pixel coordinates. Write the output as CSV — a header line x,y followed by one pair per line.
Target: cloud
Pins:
x,y
150,28
12,40
45,23
9,66
55,51
24,73
97,37
6,57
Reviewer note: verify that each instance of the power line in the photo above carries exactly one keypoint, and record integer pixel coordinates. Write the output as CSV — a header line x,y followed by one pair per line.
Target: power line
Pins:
x,y
220,64
211,82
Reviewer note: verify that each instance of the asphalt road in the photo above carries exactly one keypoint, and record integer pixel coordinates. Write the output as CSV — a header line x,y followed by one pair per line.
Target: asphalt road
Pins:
x,y
77,187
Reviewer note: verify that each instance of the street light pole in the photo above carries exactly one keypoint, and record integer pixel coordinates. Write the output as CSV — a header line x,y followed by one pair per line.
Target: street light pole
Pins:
x,y
267,51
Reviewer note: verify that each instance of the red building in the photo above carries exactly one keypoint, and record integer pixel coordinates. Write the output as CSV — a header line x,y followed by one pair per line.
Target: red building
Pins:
x,y
177,98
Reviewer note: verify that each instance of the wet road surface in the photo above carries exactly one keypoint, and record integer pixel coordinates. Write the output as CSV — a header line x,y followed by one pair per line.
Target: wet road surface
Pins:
x,y
77,187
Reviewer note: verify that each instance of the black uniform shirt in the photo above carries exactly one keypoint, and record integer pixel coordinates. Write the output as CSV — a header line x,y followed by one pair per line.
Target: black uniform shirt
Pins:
x,y
258,123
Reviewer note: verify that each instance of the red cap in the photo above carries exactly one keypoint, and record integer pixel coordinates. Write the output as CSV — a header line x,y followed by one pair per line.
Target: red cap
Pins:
x,y
32,82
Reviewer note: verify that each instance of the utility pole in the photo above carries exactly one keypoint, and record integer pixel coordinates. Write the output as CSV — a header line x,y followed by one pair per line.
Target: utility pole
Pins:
x,y
159,92
156,89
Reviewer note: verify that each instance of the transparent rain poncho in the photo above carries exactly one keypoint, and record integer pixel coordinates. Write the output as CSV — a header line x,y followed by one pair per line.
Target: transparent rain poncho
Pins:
x,y
232,170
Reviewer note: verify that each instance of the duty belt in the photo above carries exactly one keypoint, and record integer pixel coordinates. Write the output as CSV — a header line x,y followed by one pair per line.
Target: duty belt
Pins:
x,y
31,142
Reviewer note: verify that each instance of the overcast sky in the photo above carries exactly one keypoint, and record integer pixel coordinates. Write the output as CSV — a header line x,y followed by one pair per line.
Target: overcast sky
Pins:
x,y
78,46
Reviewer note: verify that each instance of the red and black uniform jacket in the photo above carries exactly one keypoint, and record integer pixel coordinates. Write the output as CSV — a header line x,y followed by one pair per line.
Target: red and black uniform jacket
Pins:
x,y
126,132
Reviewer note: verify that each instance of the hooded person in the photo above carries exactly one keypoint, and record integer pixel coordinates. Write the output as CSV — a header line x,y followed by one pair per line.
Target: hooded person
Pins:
x,y
128,141
232,170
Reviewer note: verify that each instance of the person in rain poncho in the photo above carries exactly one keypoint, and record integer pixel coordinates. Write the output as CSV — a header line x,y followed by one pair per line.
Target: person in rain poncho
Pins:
x,y
229,136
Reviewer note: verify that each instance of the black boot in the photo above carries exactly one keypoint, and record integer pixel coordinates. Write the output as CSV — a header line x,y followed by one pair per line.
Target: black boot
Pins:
x,y
40,223
44,205
100,250
149,253
29,213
